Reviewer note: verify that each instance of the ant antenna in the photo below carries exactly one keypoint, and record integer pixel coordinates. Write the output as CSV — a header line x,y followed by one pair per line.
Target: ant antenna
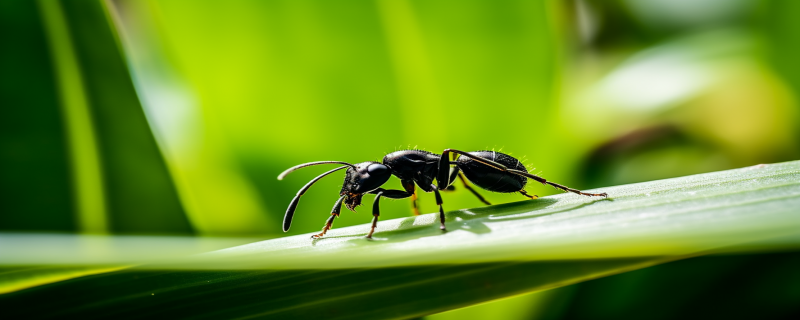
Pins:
x,y
299,166
287,219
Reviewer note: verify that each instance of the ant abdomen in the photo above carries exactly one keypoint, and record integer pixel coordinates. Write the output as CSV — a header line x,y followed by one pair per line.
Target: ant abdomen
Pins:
x,y
492,179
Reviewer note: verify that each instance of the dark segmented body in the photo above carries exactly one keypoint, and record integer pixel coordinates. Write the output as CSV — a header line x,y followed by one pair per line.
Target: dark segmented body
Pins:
x,y
490,170
493,180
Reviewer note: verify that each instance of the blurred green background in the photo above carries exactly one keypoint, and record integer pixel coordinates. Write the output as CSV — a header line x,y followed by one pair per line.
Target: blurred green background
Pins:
x,y
175,117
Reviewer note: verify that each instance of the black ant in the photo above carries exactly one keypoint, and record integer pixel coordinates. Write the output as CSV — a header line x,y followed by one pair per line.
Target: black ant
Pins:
x,y
490,170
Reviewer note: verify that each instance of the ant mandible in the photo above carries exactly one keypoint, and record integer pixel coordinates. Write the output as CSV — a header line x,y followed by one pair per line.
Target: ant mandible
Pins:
x,y
490,170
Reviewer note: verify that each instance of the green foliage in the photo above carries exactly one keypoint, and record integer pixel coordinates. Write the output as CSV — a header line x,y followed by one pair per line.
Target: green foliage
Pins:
x,y
777,20
34,161
138,191
487,253
101,168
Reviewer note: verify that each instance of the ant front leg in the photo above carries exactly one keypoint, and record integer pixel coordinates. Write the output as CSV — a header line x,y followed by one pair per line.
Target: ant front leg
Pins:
x,y
376,212
376,209
337,208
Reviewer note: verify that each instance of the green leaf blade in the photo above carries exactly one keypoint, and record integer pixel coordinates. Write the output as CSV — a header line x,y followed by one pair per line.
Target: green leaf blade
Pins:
x,y
413,269
680,216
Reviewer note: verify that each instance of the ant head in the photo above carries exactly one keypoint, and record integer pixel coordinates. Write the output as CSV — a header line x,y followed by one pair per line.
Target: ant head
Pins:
x,y
362,178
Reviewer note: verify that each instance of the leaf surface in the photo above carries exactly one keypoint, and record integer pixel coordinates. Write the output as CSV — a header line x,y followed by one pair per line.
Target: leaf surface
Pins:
x,y
413,269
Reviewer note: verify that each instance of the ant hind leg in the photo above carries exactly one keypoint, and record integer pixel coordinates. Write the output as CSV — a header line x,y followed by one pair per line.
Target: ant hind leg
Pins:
x,y
466,185
527,195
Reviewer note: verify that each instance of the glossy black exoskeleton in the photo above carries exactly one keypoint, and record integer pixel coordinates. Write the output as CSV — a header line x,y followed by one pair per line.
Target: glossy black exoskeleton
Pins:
x,y
490,170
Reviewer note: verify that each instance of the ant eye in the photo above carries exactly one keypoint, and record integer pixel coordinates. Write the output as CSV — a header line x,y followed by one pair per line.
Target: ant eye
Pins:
x,y
377,169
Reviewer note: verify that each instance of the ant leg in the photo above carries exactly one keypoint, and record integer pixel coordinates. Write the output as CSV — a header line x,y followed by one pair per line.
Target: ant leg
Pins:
x,y
556,185
439,203
443,177
527,195
376,209
466,185
337,207
376,212
410,187
414,207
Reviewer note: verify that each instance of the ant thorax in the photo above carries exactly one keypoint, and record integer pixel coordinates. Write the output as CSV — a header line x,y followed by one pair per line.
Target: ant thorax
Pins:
x,y
418,165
